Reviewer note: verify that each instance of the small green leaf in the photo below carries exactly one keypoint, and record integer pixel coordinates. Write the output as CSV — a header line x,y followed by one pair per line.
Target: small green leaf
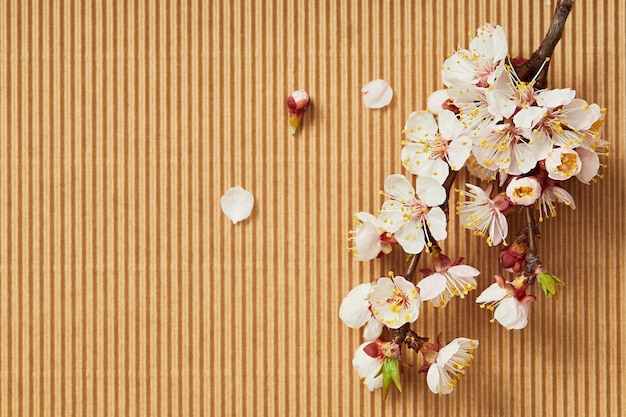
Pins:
x,y
391,373
549,283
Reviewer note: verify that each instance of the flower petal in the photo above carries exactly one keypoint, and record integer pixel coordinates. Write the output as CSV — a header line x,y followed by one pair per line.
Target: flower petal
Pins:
x,y
355,308
555,97
450,126
458,152
377,94
237,203
435,380
463,271
411,238
420,126
435,100
436,169
373,329
437,223
512,314
430,191
398,187
431,286
590,165
492,293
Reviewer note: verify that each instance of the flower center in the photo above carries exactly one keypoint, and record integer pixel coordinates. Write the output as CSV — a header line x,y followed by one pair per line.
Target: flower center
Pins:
x,y
525,94
437,148
523,191
569,164
398,301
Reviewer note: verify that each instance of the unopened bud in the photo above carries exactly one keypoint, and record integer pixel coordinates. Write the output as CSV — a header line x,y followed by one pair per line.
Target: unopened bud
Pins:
x,y
297,103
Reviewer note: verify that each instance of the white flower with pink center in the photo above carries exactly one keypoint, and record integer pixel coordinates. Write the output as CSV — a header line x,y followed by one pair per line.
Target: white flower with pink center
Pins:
x,y
504,147
483,215
435,148
369,240
523,191
482,63
367,362
394,301
414,216
447,280
510,307
549,196
452,359
563,164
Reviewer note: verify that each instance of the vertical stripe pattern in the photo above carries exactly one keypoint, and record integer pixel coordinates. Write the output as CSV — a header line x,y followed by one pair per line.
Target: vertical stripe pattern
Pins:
x,y
124,290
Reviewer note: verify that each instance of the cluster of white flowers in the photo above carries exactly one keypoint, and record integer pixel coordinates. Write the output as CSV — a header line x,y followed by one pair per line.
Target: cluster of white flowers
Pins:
x,y
522,142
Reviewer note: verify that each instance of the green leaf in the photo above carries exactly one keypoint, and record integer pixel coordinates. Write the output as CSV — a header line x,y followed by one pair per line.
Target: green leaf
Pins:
x,y
549,283
391,373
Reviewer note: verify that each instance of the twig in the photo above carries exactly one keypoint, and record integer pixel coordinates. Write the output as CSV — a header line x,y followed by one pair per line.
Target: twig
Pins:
x,y
533,260
528,70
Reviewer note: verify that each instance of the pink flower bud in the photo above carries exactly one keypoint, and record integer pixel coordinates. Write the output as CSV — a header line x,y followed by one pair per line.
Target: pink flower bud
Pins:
x,y
297,103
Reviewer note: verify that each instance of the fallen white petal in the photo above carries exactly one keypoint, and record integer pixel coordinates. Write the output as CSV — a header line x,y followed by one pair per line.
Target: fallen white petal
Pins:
x,y
237,203
377,94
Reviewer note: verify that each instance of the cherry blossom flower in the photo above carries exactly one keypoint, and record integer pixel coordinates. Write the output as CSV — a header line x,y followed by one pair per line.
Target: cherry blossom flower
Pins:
x,y
562,164
413,216
237,203
474,110
508,93
549,195
560,117
447,281
370,239
509,305
451,361
482,63
523,191
435,148
506,148
355,311
377,94
394,301
368,362
483,214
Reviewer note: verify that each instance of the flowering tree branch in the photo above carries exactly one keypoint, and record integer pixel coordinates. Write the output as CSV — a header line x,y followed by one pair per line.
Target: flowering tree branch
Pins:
x,y
529,69
496,118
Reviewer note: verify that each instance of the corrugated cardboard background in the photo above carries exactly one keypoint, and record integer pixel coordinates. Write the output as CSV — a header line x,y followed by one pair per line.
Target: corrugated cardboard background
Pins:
x,y
124,291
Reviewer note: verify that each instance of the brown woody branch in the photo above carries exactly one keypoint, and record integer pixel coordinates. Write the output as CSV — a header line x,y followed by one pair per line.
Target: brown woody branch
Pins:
x,y
529,69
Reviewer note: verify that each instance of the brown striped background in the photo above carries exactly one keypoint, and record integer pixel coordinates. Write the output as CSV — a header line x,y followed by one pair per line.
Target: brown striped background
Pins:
x,y
124,291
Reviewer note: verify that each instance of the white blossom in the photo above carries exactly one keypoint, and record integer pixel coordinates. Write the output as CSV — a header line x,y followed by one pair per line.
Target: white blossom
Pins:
x,y
483,215
435,148
410,215
367,366
523,191
510,309
452,359
394,301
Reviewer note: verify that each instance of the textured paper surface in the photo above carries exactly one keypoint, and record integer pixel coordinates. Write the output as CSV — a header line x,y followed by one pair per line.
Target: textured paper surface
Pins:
x,y
124,291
